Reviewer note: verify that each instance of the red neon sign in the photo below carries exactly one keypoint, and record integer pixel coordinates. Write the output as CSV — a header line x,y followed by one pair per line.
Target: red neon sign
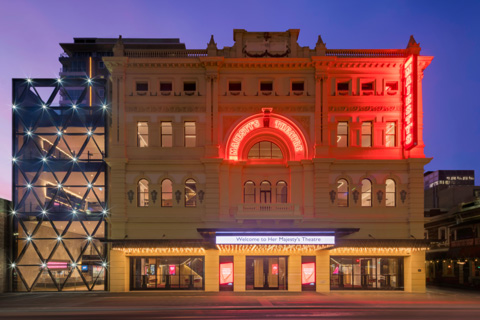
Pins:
x,y
172,269
410,103
226,272
308,272
283,127
275,268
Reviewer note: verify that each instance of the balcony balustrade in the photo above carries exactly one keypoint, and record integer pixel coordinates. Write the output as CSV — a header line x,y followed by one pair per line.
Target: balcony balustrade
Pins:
x,y
272,211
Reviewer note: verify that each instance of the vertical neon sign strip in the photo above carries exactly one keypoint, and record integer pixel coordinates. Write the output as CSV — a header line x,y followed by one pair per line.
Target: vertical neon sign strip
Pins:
x,y
90,76
410,102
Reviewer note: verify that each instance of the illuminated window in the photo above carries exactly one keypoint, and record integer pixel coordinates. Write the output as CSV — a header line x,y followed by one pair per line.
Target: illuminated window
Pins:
x,y
190,134
189,86
342,193
167,193
190,193
142,86
390,193
342,134
249,192
166,86
142,134
166,134
265,192
390,135
234,86
142,193
266,86
366,193
265,150
366,134
281,192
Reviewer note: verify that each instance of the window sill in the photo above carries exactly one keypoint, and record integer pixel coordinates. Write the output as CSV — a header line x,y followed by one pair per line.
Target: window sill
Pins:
x,y
165,93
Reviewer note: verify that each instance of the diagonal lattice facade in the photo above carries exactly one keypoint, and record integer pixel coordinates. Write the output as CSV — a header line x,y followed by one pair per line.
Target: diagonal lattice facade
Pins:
x,y
59,184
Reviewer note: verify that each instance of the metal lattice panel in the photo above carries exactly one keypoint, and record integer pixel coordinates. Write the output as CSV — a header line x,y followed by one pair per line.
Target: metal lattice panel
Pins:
x,y
59,184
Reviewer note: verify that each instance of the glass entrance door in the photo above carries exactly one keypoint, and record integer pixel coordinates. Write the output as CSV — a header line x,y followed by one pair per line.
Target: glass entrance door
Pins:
x,y
266,273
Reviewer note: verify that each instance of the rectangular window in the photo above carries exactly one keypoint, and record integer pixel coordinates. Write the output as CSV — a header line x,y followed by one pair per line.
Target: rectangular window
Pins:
x,y
391,87
298,86
367,88
189,86
142,134
342,134
190,134
266,86
166,134
166,86
390,135
234,86
366,134
343,88
101,65
142,86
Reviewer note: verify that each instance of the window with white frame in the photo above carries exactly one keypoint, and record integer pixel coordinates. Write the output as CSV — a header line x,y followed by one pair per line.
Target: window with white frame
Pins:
x,y
390,193
142,134
166,134
366,193
342,134
190,134
390,134
366,134
167,199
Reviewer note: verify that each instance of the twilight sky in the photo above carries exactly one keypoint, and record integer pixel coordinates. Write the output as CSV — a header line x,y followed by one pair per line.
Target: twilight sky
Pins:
x,y
31,30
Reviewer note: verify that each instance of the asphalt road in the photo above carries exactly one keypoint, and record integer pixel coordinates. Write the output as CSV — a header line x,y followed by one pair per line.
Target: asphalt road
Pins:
x,y
435,304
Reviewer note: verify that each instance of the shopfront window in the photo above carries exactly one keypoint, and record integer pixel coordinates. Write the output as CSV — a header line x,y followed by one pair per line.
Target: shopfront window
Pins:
x,y
167,273
365,273
266,273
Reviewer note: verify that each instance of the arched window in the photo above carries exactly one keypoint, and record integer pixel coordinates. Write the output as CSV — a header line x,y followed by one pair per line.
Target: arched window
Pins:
x,y
366,193
167,193
190,193
265,192
342,193
265,150
390,193
142,193
249,192
281,192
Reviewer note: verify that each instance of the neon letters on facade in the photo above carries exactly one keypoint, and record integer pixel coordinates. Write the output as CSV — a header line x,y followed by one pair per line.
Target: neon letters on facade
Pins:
x,y
249,126
290,132
409,113
239,135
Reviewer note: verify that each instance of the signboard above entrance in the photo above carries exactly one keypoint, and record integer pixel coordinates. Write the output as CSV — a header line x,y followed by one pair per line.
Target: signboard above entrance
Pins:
x,y
275,239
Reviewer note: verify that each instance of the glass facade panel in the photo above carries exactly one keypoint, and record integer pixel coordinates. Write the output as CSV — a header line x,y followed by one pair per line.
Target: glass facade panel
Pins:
x,y
167,273
365,273
59,187
266,273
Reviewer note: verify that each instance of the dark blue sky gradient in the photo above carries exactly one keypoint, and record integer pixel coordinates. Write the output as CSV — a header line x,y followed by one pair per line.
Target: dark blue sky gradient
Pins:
x,y
31,30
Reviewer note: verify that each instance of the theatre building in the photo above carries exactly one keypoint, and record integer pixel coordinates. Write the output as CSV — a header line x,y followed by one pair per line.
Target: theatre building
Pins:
x,y
260,166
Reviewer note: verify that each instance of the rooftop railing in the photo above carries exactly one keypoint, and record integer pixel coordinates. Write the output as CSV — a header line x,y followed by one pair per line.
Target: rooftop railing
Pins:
x,y
365,53
146,53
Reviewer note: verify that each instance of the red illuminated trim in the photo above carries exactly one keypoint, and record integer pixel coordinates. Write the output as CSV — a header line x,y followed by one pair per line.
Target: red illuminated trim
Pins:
x,y
270,123
410,103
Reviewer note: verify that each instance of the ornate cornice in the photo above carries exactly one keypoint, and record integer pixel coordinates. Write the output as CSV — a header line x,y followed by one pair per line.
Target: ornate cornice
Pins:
x,y
256,108
365,109
167,109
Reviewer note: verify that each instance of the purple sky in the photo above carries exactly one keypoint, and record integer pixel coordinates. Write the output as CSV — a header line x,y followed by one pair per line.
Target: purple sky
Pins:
x,y
31,30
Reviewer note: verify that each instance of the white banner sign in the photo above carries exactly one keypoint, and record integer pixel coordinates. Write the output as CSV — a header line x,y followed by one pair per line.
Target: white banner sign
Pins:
x,y
275,239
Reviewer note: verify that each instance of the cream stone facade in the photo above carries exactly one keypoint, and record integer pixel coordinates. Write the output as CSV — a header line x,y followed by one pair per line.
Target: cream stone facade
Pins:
x,y
328,125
